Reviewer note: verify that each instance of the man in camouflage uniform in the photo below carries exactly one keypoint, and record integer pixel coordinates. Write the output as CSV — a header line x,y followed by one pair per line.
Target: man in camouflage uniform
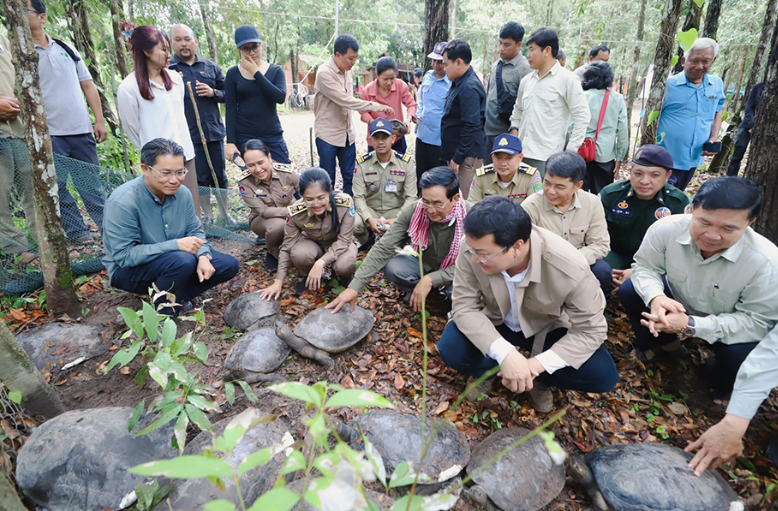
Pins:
x,y
506,176
383,183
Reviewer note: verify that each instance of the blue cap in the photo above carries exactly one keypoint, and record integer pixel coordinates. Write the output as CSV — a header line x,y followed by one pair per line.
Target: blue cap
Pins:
x,y
437,51
652,155
246,34
381,125
506,143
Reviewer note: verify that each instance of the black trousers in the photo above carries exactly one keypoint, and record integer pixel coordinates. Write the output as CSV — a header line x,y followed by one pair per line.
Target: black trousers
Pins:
x,y
742,139
598,175
427,157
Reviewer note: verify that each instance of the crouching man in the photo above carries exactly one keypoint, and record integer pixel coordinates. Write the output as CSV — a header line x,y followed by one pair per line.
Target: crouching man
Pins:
x,y
521,289
152,234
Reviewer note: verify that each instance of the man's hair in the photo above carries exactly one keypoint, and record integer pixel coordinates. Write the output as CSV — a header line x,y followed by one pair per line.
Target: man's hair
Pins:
x,y
458,49
543,37
344,43
418,72
567,165
703,43
500,216
729,193
159,147
39,6
597,49
512,30
441,176
597,75
560,55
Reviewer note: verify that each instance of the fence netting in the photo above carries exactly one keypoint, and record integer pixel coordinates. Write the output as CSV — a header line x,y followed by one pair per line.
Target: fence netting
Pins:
x,y
83,189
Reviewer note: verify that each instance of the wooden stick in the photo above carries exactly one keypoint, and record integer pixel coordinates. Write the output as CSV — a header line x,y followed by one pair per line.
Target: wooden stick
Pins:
x,y
202,134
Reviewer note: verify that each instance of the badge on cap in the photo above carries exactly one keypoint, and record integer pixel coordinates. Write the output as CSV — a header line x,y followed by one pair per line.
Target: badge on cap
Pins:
x,y
380,124
662,212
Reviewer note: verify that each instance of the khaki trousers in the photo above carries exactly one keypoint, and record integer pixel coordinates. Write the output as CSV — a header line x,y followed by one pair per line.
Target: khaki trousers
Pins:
x,y
15,173
306,252
466,173
272,229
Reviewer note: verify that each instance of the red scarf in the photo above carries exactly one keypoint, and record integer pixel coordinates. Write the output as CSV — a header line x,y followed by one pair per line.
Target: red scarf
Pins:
x,y
419,227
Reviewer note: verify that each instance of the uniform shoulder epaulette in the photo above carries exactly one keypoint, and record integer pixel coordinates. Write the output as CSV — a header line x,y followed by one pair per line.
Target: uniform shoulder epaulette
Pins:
x,y
526,169
364,157
296,208
406,157
243,175
282,167
343,200
486,169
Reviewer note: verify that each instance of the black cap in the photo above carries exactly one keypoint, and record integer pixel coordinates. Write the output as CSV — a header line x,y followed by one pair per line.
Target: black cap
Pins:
x,y
653,156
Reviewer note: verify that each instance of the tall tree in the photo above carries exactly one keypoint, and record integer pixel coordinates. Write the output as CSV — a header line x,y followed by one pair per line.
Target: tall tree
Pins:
x,y
711,28
435,26
55,264
664,51
209,33
633,77
757,67
117,15
692,21
764,152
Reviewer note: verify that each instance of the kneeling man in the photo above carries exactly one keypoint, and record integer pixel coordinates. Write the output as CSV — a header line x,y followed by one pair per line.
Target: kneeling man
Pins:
x,y
520,288
152,234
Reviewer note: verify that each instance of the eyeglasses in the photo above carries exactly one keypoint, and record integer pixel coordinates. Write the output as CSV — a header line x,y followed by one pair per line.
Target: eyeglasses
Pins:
x,y
250,49
167,174
427,205
480,259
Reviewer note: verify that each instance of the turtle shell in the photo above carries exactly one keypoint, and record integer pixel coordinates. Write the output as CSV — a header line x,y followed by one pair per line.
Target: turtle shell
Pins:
x,y
260,351
397,436
246,310
652,477
335,332
525,479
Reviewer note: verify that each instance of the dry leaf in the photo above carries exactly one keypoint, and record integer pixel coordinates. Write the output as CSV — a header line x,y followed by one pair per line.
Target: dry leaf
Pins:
x,y
125,370
442,407
399,381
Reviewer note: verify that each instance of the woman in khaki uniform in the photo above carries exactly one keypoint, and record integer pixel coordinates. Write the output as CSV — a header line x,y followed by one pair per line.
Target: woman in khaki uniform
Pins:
x,y
267,188
319,232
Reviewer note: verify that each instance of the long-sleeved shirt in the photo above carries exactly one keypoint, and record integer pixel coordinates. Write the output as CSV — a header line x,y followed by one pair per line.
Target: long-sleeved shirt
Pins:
x,y
613,142
583,225
14,127
207,72
732,295
542,110
162,117
333,104
512,73
462,125
758,375
432,99
138,227
399,95
250,105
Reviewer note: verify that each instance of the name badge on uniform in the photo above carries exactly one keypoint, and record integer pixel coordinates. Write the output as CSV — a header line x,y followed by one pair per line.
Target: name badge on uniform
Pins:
x,y
390,187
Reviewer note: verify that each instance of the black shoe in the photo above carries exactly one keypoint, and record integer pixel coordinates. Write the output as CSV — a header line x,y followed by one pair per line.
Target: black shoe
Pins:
x,y
300,288
259,241
271,263
772,450
369,243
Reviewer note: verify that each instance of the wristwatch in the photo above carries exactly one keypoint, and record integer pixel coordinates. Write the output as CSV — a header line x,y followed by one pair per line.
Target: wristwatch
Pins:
x,y
689,330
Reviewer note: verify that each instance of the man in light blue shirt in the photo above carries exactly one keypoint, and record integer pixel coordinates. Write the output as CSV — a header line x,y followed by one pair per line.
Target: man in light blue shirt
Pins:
x,y
432,99
691,112
152,234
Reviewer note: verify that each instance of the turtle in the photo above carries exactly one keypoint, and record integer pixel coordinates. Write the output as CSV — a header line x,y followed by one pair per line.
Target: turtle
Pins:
x,y
524,479
245,311
649,477
255,356
397,436
399,128
321,332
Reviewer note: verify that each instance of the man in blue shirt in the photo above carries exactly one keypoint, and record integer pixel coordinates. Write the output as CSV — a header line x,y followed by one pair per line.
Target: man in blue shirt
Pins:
x,y
432,99
152,234
691,112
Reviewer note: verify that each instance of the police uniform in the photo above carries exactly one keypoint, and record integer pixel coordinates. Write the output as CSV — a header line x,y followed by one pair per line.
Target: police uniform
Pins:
x,y
268,203
381,192
525,181
308,238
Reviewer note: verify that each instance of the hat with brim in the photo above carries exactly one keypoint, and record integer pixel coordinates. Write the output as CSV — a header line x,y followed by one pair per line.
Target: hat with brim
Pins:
x,y
246,34
381,126
507,143
437,51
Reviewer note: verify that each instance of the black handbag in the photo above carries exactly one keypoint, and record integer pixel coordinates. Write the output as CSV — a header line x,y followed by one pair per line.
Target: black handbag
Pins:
x,y
505,100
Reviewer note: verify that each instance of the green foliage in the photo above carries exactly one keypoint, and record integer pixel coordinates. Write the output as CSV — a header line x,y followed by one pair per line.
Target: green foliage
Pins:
x,y
15,396
149,495
686,39
652,117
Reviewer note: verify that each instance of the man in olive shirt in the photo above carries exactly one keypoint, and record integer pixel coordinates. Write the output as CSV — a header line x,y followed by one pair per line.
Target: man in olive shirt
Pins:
x,y
575,215
706,275
384,182
633,205
507,176
433,225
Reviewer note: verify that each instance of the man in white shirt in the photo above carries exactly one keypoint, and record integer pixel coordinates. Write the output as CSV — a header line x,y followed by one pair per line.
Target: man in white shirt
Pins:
x,y
548,98
520,288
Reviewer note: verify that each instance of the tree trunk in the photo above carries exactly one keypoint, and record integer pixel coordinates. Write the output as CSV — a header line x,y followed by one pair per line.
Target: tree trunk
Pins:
x,y
453,20
55,264
711,28
693,17
757,68
17,372
117,13
8,495
633,77
664,51
764,151
738,83
210,35
435,27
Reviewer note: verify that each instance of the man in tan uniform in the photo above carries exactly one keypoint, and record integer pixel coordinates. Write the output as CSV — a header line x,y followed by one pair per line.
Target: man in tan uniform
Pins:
x,y
506,175
383,183
267,188
520,288
577,216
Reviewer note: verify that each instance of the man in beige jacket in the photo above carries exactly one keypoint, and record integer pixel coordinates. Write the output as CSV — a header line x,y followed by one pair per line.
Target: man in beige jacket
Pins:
x,y
521,289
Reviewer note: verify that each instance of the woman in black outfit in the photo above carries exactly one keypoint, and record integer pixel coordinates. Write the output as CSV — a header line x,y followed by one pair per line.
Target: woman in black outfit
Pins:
x,y
252,89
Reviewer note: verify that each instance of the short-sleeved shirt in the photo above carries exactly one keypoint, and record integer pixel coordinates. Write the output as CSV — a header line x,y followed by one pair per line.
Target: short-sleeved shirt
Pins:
x,y
687,115
63,98
269,200
486,182
382,190
7,85
629,217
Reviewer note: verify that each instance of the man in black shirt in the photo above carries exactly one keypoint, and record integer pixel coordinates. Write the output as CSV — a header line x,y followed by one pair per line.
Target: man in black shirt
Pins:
x,y
208,86
743,136
462,126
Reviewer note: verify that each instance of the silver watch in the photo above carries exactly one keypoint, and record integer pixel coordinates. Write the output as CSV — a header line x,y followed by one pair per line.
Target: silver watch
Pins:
x,y
689,330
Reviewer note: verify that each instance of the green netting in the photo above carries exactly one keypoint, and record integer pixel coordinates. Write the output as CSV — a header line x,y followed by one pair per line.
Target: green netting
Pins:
x,y
81,216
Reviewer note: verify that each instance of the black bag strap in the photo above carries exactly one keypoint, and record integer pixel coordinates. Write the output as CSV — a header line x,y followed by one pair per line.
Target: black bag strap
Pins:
x,y
68,50
498,80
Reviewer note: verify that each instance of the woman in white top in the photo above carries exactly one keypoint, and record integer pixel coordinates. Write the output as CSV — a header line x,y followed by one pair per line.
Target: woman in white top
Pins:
x,y
151,100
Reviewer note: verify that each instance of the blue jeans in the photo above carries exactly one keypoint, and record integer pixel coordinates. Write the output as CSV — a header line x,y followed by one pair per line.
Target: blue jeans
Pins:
x,y
399,147
598,374
275,144
681,178
175,272
347,159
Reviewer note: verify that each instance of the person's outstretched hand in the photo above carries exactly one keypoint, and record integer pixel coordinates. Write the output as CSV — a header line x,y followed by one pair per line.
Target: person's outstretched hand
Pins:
x,y
719,444
349,296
